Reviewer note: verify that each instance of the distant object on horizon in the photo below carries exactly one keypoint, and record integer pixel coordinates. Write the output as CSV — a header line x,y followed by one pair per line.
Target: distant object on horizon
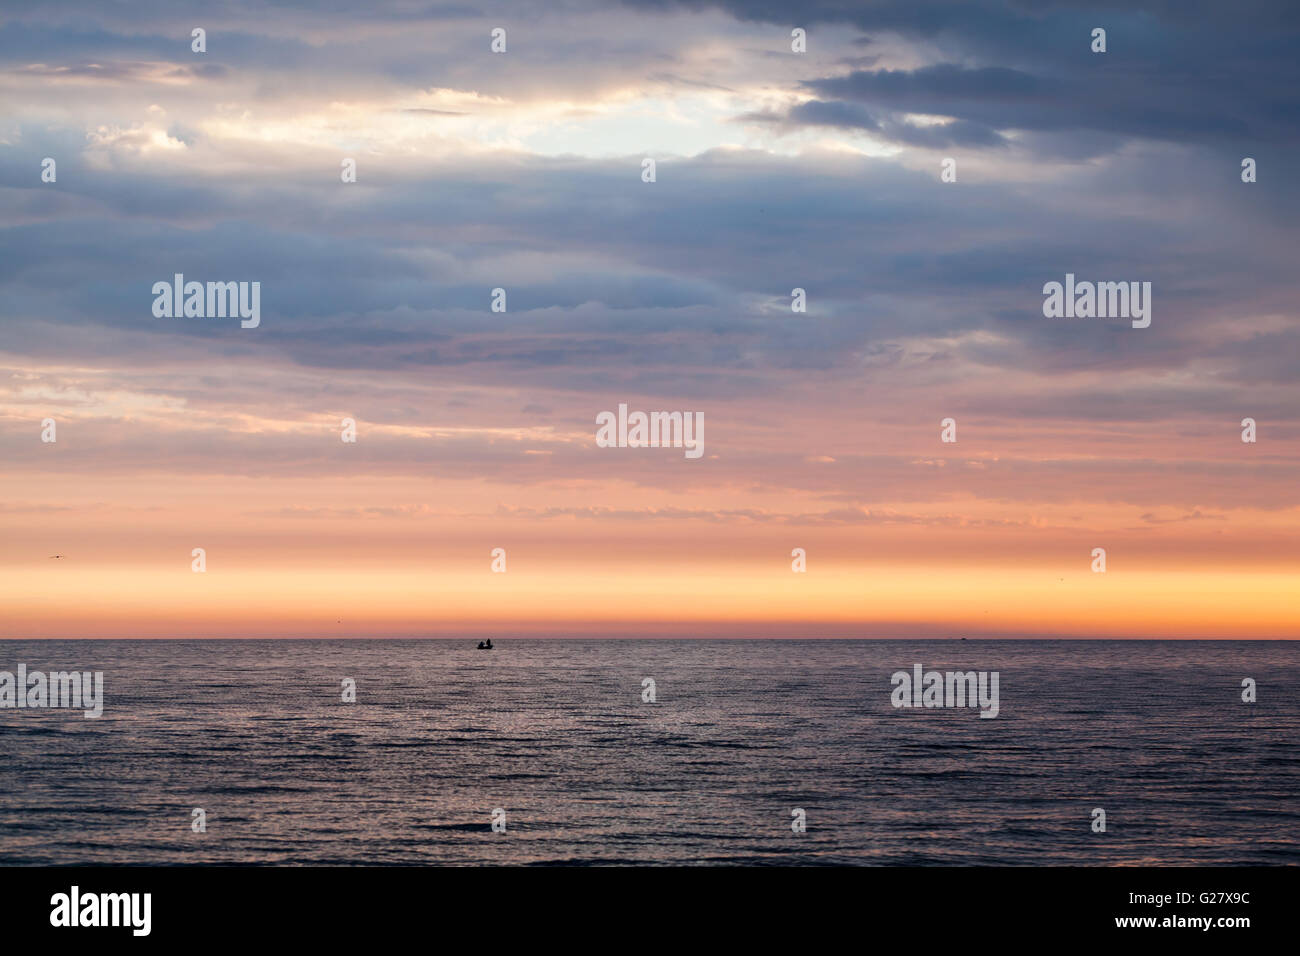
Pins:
x,y
485,647
53,556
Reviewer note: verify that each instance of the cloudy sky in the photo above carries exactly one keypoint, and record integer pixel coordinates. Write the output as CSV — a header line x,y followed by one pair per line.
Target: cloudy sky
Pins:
x,y
775,170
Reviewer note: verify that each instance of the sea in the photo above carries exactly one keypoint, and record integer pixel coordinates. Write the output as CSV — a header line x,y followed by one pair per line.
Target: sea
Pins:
x,y
654,752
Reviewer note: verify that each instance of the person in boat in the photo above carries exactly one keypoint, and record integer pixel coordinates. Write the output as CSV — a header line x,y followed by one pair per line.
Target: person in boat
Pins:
x,y
482,646
488,646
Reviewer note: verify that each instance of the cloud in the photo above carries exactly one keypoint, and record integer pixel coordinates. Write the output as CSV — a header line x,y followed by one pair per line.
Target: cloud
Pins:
x,y
523,172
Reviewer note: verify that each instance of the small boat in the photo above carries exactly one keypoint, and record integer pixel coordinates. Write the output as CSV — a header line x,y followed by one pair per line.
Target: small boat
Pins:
x,y
485,647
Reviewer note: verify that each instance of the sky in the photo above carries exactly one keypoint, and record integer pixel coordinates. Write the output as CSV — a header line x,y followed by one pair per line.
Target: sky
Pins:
x,y
774,170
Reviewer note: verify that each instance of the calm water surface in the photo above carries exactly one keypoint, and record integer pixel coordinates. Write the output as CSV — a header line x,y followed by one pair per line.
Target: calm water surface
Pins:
x,y
556,733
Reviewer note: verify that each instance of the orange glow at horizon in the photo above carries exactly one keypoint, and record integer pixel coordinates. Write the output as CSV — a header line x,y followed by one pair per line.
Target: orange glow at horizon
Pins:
x,y
390,556
154,601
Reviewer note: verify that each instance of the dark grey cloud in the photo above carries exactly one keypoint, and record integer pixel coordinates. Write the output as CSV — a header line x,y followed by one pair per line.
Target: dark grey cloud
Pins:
x,y
1185,72
854,116
1116,167
687,280
1001,99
